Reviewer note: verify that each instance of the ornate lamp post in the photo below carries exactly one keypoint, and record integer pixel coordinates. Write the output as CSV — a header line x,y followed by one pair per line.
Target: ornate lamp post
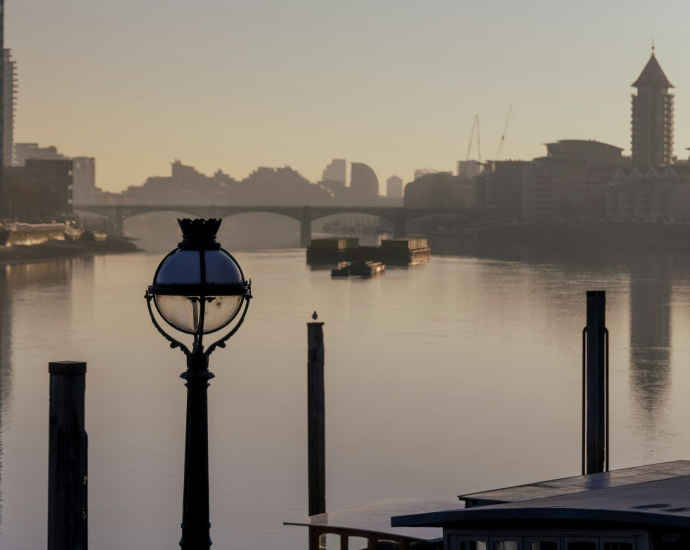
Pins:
x,y
198,289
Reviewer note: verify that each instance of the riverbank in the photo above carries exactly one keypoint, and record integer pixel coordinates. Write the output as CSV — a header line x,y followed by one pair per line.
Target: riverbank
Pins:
x,y
51,251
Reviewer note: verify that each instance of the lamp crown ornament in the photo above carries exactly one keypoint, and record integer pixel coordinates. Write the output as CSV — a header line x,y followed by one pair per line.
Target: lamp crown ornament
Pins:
x,y
199,234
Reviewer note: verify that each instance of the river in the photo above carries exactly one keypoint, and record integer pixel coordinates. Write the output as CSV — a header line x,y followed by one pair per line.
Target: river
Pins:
x,y
460,375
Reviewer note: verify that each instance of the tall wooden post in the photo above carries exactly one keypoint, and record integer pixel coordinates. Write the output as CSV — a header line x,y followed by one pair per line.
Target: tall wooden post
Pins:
x,y
316,421
67,458
596,384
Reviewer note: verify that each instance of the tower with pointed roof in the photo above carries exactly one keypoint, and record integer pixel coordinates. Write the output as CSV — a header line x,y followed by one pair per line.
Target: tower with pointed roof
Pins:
x,y
652,117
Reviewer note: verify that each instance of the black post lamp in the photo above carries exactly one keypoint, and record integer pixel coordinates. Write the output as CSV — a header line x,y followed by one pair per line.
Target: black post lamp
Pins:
x,y
198,289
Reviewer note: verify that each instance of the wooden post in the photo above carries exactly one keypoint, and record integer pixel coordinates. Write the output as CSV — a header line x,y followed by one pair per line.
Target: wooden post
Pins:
x,y
595,383
67,458
316,421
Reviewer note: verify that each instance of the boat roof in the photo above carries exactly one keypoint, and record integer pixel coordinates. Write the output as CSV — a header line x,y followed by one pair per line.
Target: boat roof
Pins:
x,y
376,518
657,494
578,484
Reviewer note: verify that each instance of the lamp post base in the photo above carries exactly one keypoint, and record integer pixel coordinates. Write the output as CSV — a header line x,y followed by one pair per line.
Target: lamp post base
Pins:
x,y
196,525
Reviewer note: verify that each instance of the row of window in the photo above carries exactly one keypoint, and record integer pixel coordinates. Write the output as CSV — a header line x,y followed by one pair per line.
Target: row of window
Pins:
x,y
541,543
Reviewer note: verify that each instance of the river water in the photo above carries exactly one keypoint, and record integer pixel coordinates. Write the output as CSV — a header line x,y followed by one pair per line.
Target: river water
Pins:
x,y
451,377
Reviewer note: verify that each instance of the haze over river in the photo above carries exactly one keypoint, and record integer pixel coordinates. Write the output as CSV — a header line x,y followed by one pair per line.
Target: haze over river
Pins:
x,y
456,376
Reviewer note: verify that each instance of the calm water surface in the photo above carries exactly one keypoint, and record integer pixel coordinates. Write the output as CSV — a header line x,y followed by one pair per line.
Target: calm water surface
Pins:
x,y
456,376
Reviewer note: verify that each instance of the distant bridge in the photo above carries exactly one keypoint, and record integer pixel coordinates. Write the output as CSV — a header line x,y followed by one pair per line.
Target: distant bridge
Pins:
x,y
303,214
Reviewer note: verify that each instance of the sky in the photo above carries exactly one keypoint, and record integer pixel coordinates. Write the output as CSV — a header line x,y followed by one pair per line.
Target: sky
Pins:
x,y
232,85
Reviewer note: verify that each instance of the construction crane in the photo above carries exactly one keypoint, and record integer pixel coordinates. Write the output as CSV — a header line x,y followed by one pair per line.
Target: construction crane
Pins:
x,y
475,126
503,136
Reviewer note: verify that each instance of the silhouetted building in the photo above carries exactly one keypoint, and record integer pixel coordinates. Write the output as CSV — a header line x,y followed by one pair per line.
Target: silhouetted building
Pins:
x,y
341,193
40,191
394,187
25,151
656,193
652,117
54,179
335,171
9,99
570,182
500,184
282,186
469,168
185,185
440,190
84,180
364,185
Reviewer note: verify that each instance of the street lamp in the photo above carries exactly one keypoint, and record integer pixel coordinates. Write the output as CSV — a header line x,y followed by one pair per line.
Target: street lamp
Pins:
x,y
198,289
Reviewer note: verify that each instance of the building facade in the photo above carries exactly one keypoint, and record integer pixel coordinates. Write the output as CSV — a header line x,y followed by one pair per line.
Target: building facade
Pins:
x,y
9,99
653,194
394,187
335,171
364,185
570,182
84,180
652,117
52,179
500,184
440,190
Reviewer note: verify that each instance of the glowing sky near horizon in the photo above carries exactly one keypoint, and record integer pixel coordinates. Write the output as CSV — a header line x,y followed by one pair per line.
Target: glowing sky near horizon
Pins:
x,y
393,83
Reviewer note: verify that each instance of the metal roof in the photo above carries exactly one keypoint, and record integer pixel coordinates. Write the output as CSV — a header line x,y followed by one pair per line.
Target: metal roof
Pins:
x,y
578,484
376,518
657,494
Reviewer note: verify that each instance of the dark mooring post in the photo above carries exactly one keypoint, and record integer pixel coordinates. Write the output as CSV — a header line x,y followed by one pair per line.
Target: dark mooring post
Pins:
x,y
317,420
595,386
67,458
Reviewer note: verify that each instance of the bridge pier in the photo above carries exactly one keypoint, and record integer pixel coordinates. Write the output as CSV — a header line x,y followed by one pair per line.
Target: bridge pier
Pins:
x,y
400,222
119,221
305,227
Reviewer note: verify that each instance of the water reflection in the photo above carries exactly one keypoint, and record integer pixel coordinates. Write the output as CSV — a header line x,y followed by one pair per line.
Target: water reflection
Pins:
x,y
48,279
5,368
650,342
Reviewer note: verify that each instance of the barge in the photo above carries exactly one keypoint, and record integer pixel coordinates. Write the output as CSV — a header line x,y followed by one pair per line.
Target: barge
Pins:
x,y
398,252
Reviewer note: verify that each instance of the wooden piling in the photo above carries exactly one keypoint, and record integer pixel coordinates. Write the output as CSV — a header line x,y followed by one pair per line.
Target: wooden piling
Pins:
x,y
596,380
316,420
67,458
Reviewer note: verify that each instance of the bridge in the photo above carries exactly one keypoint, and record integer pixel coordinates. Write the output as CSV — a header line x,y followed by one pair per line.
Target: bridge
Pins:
x,y
303,214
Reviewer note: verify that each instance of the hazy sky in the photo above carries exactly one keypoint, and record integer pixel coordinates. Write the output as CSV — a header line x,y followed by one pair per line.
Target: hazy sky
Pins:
x,y
393,83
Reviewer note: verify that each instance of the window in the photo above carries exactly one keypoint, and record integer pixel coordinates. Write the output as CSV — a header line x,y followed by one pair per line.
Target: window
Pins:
x,y
550,542
329,541
388,545
357,543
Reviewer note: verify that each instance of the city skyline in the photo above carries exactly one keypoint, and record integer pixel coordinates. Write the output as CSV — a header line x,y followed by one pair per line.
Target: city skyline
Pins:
x,y
256,92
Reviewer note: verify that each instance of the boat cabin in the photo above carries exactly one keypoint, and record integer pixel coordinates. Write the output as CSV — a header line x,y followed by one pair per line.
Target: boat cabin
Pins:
x,y
643,508
369,527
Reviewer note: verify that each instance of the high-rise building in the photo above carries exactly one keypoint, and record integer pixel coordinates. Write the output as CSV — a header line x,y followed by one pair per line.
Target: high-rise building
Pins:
x,y
394,187
8,107
84,180
335,171
364,185
652,117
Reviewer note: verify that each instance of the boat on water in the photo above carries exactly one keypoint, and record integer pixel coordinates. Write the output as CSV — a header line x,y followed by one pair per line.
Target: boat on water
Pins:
x,y
358,269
